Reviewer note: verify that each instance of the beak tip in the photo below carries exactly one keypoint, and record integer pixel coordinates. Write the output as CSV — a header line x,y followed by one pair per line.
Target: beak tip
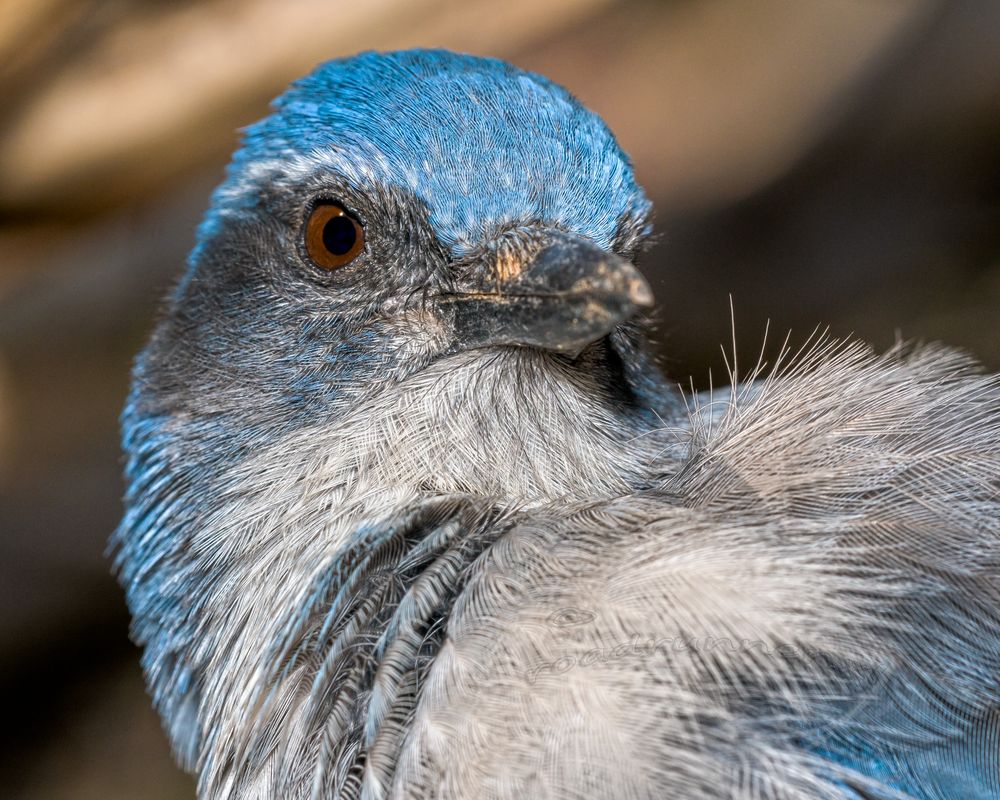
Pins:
x,y
640,294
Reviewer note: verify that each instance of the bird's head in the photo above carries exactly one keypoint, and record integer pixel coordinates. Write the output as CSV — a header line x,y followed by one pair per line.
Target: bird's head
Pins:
x,y
398,209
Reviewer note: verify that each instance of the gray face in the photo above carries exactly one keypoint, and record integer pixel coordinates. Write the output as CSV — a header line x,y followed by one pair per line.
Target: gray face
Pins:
x,y
496,213
259,331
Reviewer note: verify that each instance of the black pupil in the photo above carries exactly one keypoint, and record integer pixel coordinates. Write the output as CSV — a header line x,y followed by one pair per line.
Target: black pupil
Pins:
x,y
339,235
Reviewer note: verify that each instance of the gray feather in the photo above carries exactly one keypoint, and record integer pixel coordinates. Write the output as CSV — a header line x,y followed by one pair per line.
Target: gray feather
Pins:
x,y
364,564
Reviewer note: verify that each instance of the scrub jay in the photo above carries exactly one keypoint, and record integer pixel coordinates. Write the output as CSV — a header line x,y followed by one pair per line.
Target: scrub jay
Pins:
x,y
412,513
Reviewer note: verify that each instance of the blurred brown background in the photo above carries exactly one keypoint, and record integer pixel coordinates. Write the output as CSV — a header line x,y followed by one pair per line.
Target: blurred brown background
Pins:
x,y
823,161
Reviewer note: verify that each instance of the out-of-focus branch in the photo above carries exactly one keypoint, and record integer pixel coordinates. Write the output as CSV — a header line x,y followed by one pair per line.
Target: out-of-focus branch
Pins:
x,y
161,92
724,97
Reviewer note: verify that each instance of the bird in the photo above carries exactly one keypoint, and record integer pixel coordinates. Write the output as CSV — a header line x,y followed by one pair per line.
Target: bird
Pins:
x,y
412,511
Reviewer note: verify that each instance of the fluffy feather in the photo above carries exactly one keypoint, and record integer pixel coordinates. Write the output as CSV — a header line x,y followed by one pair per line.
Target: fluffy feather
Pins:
x,y
362,565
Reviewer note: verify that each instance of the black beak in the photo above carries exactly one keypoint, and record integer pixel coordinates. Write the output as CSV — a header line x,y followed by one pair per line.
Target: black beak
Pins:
x,y
565,295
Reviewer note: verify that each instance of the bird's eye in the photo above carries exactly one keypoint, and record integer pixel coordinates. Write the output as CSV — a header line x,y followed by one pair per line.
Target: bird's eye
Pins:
x,y
333,237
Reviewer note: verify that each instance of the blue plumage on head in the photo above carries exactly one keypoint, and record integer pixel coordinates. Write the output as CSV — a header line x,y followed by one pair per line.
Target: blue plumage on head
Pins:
x,y
483,144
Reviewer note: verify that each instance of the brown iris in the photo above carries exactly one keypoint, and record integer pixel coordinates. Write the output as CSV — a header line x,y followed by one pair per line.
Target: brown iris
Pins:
x,y
333,237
